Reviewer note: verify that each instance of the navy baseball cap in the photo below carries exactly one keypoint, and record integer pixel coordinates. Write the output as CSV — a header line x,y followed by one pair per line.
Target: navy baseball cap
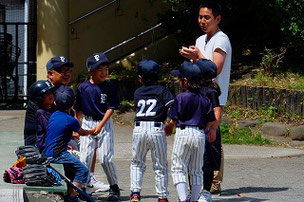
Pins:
x,y
95,60
56,62
188,70
146,68
208,68
64,97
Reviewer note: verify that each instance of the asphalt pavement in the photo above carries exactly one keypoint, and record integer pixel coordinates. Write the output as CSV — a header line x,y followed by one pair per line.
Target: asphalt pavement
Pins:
x,y
251,173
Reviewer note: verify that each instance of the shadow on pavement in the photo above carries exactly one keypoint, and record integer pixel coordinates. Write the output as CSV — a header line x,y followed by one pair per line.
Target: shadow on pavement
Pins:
x,y
244,190
241,199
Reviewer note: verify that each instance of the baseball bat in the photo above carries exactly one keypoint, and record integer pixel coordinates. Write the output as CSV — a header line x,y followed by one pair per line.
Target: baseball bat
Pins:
x,y
68,181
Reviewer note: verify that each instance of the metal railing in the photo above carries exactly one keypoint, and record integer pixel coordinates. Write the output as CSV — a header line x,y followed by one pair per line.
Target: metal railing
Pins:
x,y
19,68
124,42
92,12
133,38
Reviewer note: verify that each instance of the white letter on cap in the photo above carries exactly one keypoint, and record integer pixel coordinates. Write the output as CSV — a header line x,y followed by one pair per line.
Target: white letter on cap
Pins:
x,y
62,59
96,57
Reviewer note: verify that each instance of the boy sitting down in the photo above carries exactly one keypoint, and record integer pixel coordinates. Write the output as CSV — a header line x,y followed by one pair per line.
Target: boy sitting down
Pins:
x,y
59,133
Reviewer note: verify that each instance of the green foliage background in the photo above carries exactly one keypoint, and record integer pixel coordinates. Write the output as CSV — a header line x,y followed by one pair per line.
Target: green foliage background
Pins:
x,y
250,24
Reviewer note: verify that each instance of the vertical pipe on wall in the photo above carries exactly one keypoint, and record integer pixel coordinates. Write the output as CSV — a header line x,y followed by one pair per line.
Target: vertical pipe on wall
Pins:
x,y
25,58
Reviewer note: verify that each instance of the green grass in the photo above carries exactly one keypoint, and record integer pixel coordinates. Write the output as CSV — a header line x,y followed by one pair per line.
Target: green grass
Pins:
x,y
286,80
231,135
263,115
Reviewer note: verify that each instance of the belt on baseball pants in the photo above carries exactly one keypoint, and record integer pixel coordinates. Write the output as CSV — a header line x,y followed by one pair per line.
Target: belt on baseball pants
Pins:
x,y
182,127
156,124
95,118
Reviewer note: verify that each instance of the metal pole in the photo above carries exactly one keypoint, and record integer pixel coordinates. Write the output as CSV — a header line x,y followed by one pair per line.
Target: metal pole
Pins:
x,y
91,12
25,58
132,38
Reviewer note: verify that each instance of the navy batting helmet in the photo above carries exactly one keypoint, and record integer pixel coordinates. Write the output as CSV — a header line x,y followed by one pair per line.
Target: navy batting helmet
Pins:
x,y
37,90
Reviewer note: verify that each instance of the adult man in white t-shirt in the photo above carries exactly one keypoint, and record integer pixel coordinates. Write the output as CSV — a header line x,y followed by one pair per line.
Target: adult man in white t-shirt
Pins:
x,y
213,45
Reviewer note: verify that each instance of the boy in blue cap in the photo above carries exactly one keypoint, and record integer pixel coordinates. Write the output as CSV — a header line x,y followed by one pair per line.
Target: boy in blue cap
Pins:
x,y
212,156
59,133
96,100
192,114
152,102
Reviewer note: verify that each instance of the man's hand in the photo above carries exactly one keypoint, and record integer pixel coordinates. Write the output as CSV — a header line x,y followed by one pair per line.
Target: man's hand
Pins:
x,y
192,53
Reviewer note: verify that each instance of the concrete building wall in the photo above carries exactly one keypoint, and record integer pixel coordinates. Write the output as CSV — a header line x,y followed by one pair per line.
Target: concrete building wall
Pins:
x,y
52,32
108,27
96,33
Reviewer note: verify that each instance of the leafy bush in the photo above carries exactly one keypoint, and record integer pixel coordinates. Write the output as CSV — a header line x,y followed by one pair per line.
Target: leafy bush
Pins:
x,y
293,22
271,61
126,106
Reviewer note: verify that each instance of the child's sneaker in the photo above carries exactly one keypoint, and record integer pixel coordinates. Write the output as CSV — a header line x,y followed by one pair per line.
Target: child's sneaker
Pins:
x,y
96,185
205,196
135,197
114,193
163,200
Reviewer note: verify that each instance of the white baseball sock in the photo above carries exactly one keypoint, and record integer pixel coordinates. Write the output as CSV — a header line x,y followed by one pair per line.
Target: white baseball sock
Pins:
x,y
195,191
182,190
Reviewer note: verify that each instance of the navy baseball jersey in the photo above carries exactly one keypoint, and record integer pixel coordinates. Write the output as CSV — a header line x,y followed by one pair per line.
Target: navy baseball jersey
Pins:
x,y
212,95
59,133
152,103
43,116
30,124
192,109
94,100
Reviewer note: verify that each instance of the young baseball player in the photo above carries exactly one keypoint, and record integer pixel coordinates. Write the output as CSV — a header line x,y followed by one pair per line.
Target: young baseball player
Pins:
x,y
60,128
192,114
212,156
96,100
152,102
41,93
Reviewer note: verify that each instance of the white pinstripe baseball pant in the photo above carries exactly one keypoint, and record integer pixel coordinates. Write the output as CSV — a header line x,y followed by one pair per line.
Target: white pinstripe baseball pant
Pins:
x,y
104,142
188,155
147,137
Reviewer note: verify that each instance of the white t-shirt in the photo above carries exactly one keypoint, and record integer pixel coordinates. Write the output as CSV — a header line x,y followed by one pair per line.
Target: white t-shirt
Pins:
x,y
218,40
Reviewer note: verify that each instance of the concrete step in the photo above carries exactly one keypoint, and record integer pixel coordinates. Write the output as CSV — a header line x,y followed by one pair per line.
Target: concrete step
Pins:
x,y
11,193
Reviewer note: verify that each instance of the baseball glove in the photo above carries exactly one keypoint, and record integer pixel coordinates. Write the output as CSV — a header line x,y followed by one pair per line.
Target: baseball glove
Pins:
x,y
37,175
31,154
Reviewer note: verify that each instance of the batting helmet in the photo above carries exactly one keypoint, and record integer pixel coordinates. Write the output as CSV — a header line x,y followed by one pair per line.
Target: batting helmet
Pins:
x,y
37,90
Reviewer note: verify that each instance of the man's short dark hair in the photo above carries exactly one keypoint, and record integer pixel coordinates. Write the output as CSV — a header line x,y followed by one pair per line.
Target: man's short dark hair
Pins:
x,y
216,8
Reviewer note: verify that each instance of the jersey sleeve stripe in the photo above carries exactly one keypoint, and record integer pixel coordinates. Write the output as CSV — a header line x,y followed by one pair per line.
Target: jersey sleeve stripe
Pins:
x,y
169,102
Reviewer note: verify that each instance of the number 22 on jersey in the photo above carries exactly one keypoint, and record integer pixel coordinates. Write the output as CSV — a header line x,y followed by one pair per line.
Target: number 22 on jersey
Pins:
x,y
151,103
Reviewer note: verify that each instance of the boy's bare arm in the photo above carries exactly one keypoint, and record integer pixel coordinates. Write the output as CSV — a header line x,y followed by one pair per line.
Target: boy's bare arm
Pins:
x,y
106,117
83,132
78,115
169,127
217,112
211,131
